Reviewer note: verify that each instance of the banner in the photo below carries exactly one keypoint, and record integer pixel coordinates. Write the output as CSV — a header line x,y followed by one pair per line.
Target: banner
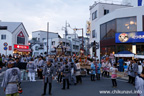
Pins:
x,y
129,37
88,28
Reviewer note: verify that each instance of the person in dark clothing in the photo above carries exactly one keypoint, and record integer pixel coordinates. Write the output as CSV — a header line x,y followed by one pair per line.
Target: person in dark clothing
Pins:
x,y
66,74
17,62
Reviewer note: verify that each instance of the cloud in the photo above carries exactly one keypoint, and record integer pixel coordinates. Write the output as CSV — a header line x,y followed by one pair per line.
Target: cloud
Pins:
x,y
36,13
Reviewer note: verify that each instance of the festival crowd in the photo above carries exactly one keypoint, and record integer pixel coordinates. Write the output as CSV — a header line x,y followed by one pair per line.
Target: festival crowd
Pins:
x,y
66,70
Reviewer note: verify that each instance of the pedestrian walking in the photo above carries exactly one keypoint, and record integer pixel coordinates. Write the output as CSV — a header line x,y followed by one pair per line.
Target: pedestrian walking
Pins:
x,y
93,70
31,69
114,71
98,70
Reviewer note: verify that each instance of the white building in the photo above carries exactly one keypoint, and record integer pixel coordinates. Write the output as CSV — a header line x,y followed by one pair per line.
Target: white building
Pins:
x,y
16,36
120,18
75,43
42,35
41,48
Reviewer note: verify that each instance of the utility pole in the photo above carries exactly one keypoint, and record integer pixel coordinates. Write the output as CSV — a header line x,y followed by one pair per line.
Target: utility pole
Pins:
x,y
47,36
82,40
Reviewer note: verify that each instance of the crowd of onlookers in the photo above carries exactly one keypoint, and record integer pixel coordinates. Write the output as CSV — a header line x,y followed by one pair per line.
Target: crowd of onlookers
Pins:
x,y
70,66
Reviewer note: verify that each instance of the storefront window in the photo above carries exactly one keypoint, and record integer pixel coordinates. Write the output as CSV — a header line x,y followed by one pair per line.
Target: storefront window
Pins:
x,y
124,47
111,29
103,31
108,50
108,30
140,49
128,24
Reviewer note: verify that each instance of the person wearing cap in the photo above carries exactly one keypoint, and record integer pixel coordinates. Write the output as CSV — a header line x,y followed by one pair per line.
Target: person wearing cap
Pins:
x,y
11,79
65,71
48,75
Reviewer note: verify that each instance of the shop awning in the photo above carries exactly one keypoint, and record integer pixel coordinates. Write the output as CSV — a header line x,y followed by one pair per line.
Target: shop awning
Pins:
x,y
139,56
124,54
24,50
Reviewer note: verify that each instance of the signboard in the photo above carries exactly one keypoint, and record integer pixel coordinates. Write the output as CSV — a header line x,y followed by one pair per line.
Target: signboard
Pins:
x,y
140,2
10,47
5,48
21,34
5,44
129,37
21,46
88,28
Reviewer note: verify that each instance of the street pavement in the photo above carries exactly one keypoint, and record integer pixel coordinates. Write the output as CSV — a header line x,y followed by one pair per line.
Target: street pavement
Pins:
x,y
87,88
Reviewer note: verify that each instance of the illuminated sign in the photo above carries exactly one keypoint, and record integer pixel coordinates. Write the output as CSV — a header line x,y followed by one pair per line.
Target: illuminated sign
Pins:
x,y
21,46
129,37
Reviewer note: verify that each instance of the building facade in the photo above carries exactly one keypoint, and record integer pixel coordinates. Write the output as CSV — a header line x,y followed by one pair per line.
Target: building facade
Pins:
x,y
15,37
110,27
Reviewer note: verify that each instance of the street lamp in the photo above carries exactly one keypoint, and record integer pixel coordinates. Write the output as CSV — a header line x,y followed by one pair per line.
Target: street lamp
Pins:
x,y
75,29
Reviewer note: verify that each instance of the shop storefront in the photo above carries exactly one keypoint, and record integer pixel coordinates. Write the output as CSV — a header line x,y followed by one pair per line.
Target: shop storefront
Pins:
x,y
130,41
21,49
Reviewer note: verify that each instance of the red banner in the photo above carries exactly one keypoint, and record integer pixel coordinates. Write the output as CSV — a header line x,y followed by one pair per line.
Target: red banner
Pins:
x,y
21,46
10,47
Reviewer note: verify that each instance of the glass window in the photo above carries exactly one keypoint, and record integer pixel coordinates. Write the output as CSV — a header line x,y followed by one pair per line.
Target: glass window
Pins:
x,y
111,29
53,42
3,37
36,48
124,47
103,31
93,34
20,40
94,15
128,24
38,39
44,39
106,11
140,49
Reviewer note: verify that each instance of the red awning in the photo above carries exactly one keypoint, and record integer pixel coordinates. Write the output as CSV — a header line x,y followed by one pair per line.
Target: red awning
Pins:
x,y
24,50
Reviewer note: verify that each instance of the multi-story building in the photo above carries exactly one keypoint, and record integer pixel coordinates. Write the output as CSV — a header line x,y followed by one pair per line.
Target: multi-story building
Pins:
x,y
15,37
42,35
115,21
97,11
75,43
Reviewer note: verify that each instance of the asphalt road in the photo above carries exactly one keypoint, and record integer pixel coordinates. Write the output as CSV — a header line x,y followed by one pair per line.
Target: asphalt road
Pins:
x,y
87,88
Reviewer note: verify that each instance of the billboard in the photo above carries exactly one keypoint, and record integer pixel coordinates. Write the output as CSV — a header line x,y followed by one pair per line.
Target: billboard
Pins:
x,y
129,37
